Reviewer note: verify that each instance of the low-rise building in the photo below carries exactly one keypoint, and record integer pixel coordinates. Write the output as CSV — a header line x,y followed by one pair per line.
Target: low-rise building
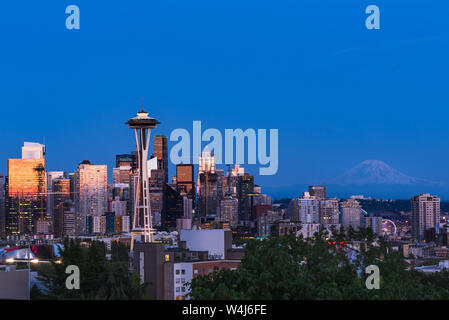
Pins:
x,y
14,284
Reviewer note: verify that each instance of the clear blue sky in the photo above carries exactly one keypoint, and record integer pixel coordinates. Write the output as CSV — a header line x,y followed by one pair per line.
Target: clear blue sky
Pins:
x,y
338,93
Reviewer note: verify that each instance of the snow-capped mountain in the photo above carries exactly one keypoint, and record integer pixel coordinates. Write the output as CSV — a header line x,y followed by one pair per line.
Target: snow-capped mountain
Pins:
x,y
376,172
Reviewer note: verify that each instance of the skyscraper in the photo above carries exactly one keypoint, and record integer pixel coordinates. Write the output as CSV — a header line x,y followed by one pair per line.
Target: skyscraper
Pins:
x,y
121,174
245,187
69,221
121,191
173,208
229,211
91,191
207,196
188,208
318,191
161,153
61,194
185,179
26,190
351,213
207,184
51,177
126,160
425,214
206,162
33,150
2,208
72,186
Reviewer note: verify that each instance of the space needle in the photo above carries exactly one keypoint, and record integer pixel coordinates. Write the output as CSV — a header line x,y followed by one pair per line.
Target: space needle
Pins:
x,y
142,223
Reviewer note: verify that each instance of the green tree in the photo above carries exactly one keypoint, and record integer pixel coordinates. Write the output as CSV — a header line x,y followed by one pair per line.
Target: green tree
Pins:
x,y
320,268
119,251
99,278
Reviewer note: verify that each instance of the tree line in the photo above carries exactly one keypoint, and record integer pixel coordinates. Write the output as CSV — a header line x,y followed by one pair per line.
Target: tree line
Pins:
x,y
323,267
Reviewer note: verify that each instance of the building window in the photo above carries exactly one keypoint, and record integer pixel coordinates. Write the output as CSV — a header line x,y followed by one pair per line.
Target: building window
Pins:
x,y
177,289
183,271
177,280
183,289
195,271
177,271
183,280
167,257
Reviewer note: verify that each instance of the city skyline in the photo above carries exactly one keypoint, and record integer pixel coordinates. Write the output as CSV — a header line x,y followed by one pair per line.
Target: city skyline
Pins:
x,y
338,93
244,152
337,188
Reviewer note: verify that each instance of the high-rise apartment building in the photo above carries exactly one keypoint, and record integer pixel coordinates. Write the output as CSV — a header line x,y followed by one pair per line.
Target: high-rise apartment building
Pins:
x,y
373,222
91,191
329,212
425,214
351,213
161,153
305,209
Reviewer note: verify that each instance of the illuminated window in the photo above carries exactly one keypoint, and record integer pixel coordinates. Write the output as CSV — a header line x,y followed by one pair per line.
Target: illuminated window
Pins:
x,y
167,257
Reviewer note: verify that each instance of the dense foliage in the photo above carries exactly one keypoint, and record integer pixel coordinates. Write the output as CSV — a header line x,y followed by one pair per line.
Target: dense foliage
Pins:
x,y
100,278
296,268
